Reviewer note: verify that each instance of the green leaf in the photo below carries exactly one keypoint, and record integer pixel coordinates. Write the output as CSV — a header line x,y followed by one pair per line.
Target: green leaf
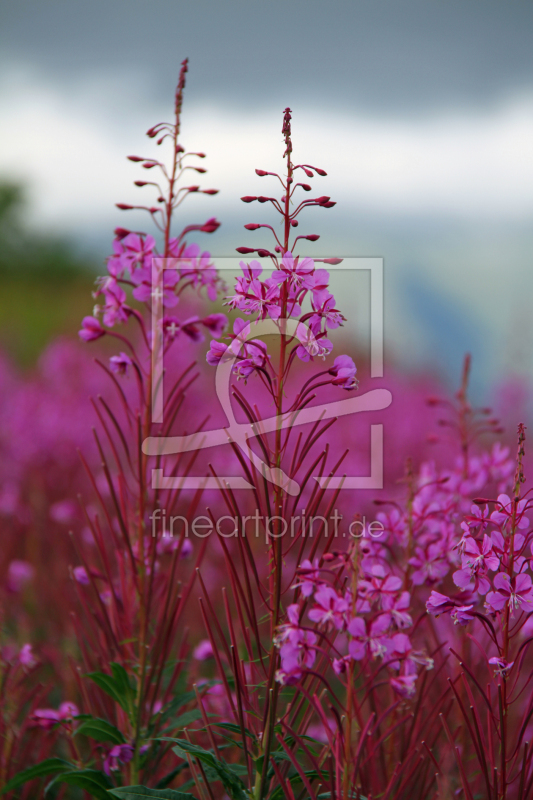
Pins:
x,y
101,730
163,783
177,702
279,794
230,726
142,792
185,719
231,782
116,685
47,767
91,780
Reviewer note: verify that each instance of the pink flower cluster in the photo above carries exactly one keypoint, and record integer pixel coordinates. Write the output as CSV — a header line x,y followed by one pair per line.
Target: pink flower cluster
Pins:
x,y
495,552
372,613
265,298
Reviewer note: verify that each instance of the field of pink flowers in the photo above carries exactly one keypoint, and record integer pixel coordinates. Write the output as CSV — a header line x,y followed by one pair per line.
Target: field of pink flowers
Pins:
x,y
182,638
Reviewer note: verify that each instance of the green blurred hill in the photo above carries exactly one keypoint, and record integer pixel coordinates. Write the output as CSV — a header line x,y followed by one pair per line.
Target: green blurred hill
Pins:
x,y
46,283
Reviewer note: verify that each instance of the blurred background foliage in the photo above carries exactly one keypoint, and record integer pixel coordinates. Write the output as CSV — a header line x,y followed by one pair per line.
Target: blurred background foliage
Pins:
x,y
46,281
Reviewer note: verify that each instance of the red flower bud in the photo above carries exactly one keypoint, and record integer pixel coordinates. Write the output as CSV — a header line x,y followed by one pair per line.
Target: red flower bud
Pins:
x,y
328,205
140,183
252,226
313,237
323,199
333,261
192,188
305,186
294,223
263,199
248,198
210,191
180,148
210,226
149,164
201,170
261,173
245,250
135,158
316,169
263,253
123,206
121,233
308,172
200,155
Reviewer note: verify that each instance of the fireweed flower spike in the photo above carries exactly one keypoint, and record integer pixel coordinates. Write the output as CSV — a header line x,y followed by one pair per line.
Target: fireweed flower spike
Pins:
x,y
132,583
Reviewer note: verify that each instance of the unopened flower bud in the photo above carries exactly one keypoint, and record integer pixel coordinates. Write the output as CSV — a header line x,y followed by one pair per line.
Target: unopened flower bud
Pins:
x,y
294,223
121,233
210,191
313,237
123,206
201,170
252,226
140,183
210,226
261,173
248,198
135,158
244,250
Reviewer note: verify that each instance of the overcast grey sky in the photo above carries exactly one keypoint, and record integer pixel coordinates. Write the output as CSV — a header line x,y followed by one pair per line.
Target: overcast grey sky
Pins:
x,y
420,110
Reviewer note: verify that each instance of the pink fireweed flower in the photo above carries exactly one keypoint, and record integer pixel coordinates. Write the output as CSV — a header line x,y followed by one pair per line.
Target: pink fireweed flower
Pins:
x,y
461,615
216,352
399,611
119,364
478,518
504,512
216,324
343,371
516,592
297,272
48,717
19,574
309,576
26,657
328,608
313,343
290,631
90,329
378,588
118,755
324,307
320,283
431,564
296,656
80,574
404,685
476,561
203,651
439,603
372,639
129,253
115,308
144,291
503,667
